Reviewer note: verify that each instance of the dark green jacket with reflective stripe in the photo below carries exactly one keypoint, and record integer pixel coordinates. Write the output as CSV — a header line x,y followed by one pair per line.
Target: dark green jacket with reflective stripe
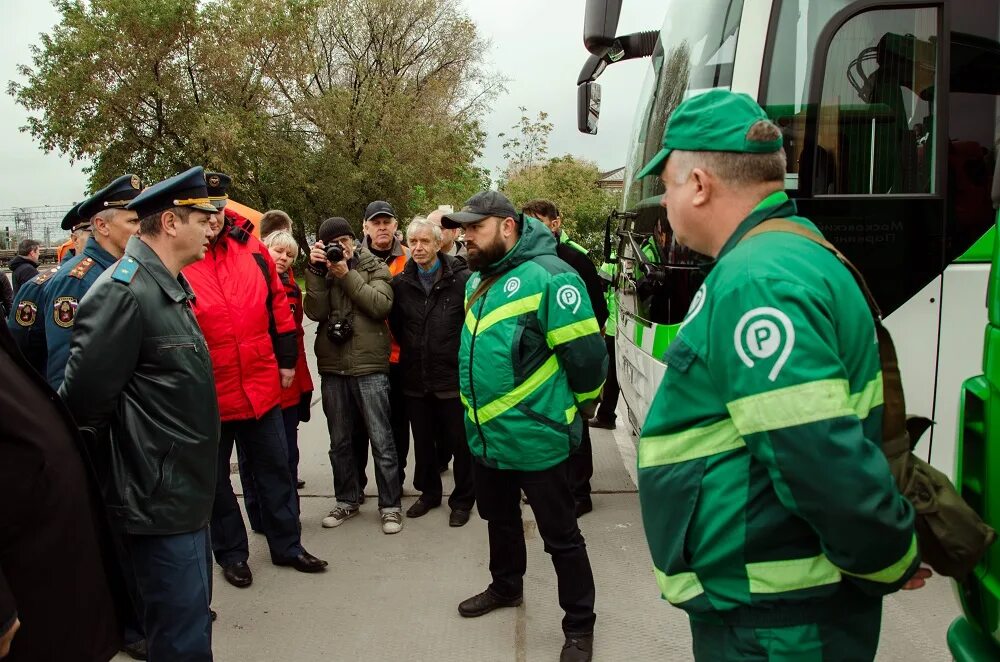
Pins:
x,y
532,358
761,477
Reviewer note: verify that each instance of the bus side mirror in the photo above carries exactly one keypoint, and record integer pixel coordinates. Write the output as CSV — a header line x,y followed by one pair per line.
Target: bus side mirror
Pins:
x,y
588,107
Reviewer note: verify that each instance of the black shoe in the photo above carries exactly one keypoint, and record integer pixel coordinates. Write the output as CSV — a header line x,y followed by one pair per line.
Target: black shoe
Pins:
x,y
238,574
458,518
583,507
214,615
136,650
420,508
361,497
484,603
304,562
578,648
300,484
598,423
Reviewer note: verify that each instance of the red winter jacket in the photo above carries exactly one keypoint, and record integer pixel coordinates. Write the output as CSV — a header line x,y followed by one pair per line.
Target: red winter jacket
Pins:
x,y
241,306
303,384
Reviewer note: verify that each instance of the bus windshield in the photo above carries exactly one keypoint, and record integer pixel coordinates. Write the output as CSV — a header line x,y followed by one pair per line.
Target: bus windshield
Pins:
x,y
696,52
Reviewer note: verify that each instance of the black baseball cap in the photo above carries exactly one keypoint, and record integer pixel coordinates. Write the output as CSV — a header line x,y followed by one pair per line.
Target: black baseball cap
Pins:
x,y
379,208
482,205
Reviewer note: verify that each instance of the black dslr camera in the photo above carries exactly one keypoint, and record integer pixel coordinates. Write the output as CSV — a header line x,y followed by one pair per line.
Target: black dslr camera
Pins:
x,y
340,330
334,252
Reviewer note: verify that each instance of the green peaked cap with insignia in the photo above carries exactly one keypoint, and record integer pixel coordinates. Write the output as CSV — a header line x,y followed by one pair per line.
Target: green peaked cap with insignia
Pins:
x,y
716,121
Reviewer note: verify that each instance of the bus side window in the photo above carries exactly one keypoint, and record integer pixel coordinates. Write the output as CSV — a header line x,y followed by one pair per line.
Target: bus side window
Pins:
x,y
875,132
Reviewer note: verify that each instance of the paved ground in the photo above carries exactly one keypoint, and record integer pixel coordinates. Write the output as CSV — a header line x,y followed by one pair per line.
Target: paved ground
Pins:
x,y
394,597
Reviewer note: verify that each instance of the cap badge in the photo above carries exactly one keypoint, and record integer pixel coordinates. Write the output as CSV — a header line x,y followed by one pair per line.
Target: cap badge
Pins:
x,y
213,180
136,184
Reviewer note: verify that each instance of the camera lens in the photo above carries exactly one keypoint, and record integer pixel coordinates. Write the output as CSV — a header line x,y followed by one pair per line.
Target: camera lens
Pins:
x,y
334,253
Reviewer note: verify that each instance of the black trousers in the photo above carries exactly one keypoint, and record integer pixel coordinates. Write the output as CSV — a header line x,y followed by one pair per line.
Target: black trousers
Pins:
x,y
263,443
498,496
609,400
440,422
399,423
581,468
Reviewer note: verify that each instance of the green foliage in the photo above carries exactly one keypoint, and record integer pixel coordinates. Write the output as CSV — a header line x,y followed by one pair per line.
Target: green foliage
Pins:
x,y
570,183
529,142
313,106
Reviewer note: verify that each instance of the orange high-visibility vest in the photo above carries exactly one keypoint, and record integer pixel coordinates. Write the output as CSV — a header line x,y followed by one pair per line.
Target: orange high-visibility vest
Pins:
x,y
396,267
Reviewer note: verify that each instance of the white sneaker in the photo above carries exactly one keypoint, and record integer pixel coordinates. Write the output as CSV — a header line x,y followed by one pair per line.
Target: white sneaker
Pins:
x,y
338,516
392,522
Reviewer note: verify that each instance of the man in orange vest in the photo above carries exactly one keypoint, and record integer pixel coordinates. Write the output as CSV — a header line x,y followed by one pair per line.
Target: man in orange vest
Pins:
x,y
380,227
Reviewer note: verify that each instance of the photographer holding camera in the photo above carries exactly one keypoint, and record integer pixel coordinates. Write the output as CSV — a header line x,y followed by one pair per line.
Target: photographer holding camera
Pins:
x,y
348,292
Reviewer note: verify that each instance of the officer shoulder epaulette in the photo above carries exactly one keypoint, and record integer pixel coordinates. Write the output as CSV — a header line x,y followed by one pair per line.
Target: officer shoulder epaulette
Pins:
x,y
125,271
81,269
44,276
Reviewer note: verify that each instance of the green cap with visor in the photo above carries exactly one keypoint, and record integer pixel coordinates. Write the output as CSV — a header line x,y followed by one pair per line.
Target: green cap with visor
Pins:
x,y
716,121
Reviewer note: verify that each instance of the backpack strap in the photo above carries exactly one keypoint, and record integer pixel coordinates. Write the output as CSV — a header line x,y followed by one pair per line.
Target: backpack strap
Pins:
x,y
895,440
484,285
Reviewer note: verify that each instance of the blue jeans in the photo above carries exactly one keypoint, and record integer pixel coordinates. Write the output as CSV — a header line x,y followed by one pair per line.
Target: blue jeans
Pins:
x,y
367,396
173,577
262,441
251,501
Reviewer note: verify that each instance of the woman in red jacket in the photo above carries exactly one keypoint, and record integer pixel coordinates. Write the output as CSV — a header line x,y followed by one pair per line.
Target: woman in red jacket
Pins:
x,y
296,399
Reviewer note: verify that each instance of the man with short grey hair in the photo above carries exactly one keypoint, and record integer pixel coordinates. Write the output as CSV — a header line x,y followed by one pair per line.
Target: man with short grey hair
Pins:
x,y
426,319
770,511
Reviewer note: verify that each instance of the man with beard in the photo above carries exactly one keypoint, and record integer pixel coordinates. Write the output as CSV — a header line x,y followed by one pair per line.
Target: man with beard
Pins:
x,y
531,367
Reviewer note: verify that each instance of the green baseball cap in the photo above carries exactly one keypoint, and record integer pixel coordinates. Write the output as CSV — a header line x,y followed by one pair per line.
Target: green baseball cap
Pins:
x,y
716,121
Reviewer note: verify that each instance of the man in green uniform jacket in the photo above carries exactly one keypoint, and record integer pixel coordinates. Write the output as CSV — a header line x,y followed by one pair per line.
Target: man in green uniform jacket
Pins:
x,y
769,508
531,367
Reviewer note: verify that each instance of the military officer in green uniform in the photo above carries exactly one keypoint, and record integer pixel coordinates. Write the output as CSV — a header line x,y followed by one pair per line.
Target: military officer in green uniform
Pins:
x,y
769,508
111,225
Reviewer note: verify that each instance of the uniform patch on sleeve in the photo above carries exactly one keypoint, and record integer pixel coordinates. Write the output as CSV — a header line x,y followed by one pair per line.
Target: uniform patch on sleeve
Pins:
x,y
64,311
762,333
568,298
27,312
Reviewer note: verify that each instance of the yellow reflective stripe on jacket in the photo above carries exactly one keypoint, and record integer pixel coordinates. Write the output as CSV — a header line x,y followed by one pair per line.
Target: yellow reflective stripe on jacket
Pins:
x,y
894,572
570,332
571,414
791,575
513,309
871,396
691,444
790,406
590,395
678,588
511,399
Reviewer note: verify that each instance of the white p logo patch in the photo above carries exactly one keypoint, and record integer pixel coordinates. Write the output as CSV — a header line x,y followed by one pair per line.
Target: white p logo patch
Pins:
x,y
512,286
567,297
761,334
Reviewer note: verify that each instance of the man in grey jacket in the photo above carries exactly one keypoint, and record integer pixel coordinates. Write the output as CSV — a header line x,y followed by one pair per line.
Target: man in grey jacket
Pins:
x,y
350,297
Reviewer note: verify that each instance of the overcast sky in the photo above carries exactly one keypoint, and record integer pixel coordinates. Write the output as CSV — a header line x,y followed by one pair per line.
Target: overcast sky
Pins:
x,y
537,45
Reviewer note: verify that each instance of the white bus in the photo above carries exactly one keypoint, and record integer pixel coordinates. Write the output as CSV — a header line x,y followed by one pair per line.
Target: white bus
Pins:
x,y
891,122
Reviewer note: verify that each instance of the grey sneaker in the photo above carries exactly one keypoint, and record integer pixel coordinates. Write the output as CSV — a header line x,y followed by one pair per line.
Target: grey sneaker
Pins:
x,y
392,522
338,516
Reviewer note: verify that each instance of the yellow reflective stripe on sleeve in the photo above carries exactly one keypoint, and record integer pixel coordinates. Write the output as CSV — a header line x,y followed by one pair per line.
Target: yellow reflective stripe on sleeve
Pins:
x,y
570,332
506,311
678,588
571,414
894,572
871,396
790,406
511,399
589,395
791,575
659,450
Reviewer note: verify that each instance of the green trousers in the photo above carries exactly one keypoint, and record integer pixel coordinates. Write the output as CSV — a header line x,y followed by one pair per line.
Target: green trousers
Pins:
x,y
851,637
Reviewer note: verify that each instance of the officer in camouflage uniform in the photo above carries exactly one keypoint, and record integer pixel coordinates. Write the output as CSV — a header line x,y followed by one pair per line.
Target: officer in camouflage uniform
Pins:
x,y
112,225
769,508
